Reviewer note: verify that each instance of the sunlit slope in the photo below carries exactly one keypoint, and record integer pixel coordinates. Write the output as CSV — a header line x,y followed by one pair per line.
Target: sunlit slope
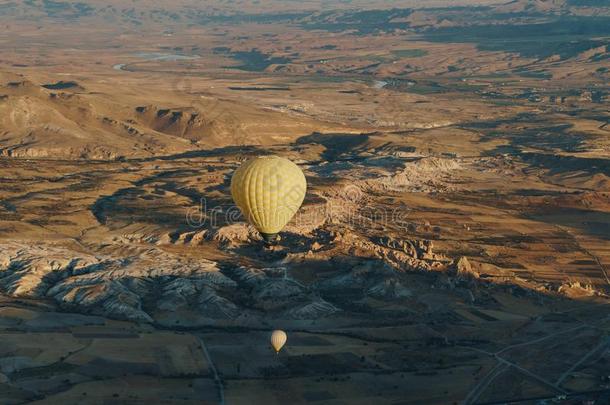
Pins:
x,y
66,119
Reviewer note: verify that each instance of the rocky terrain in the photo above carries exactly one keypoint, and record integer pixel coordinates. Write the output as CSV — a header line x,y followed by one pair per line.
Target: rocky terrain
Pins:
x,y
454,233
136,278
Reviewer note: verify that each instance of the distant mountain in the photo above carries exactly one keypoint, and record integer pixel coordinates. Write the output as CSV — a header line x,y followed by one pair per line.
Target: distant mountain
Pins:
x,y
139,12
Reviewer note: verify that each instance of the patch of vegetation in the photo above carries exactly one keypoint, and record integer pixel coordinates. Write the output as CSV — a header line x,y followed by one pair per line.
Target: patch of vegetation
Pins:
x,y
44,371
409,53
588,3
362,22
329,79
503,103
537,74
256,61
238,88
598,57
249,18
66,9
221,49
598,96
6,8
566,36
60,85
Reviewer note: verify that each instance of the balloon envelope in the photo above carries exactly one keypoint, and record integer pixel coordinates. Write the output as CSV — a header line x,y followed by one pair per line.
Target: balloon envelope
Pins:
x,y
268,190
278,340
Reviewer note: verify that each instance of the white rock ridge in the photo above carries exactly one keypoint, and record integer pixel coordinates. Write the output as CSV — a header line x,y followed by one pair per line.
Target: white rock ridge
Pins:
x,y
140,287
110,286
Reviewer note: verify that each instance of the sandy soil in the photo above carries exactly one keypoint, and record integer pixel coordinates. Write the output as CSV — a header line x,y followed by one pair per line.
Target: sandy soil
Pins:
x,y
455,233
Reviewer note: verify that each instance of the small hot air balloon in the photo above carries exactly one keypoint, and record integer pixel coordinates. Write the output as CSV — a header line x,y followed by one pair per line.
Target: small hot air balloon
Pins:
x,y
268,190
278,339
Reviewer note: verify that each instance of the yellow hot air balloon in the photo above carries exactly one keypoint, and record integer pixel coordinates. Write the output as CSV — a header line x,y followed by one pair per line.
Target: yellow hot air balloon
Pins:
x,y
268,190
278,340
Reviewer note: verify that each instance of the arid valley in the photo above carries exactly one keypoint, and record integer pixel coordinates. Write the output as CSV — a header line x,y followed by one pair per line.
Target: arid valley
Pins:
x,y
454,242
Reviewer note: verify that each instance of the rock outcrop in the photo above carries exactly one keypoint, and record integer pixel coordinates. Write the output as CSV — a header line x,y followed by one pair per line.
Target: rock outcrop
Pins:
x,y
423,175
464,270
236,233
373,278
153,283
110,286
